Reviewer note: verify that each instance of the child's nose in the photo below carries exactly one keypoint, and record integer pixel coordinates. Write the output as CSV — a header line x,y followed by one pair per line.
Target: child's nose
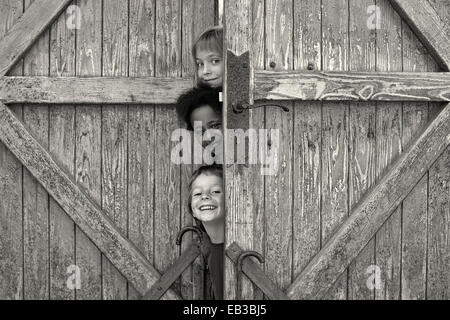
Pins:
x,y
206,68
205,196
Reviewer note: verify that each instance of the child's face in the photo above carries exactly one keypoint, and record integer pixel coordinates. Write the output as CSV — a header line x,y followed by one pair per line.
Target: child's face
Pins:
x,y
209,118
207,198
209,67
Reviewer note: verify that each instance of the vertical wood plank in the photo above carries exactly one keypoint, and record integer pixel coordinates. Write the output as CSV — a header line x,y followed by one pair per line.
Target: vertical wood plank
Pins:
x,y
278,187
141,138
388,146
362,145
167,175
11,219
62,148
438,243
334,131
88,144
35,198
239,200
414,213
307,139
114,139
257,121
438,276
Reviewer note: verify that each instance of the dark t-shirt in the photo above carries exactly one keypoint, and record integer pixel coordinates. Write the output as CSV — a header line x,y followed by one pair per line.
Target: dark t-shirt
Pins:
x,y
215,266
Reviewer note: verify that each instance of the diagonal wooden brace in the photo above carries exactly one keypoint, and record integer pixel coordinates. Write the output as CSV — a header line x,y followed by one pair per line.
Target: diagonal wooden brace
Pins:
x,y
173,272
77,204
372,211
254,272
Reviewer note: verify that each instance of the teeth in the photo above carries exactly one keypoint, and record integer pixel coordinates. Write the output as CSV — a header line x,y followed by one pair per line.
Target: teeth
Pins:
x,y
207,207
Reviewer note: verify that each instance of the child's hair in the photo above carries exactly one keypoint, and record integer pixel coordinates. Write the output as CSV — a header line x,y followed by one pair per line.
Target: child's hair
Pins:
x,y
195,98
211,40
214,169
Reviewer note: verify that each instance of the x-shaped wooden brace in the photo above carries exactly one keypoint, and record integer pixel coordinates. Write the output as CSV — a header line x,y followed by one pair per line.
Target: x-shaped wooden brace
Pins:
x,y
375,208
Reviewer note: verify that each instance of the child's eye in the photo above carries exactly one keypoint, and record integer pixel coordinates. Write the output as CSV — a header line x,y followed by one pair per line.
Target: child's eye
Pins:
x,y
217,191
196,194
216,61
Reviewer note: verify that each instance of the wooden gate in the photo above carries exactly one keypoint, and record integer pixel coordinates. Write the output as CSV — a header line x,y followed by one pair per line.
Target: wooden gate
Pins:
x,y
362,180
362,186
90,118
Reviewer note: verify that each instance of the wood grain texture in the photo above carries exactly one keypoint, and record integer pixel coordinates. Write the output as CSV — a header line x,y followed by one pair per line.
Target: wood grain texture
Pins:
x,y
62,148
114,153
167,217
438,276
35,198
239,196
92,90
77,204
27,29
334,202
278,185
429,28
307,140
372,211
362,144
11,219
353,86
141,133
414,210
88,145
388,146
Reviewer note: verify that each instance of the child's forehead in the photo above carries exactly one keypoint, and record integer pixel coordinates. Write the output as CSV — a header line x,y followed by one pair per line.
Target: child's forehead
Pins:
x,y
207,180
207,48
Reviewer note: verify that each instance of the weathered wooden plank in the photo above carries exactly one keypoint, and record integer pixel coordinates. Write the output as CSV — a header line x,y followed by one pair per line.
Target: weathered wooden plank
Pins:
x,y
35,198
429,28
388,146
373,211
114,139
62,148
254,272
353,86
334,180
239,196
141,133
85,213
279,185
307,137
11,236
362,145
414,209
438,276
167,174
173,272
93,90
21,36
257,117
88,145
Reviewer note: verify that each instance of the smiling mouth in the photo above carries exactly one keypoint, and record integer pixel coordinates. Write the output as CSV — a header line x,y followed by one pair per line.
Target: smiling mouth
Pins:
x,y
209,80
207,207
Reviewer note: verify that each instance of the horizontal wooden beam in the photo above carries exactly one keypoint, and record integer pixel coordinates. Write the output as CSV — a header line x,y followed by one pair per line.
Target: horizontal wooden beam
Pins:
x,y
354,86
254,272
27,30
370,214
173,272
77,204
95,90
428,26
